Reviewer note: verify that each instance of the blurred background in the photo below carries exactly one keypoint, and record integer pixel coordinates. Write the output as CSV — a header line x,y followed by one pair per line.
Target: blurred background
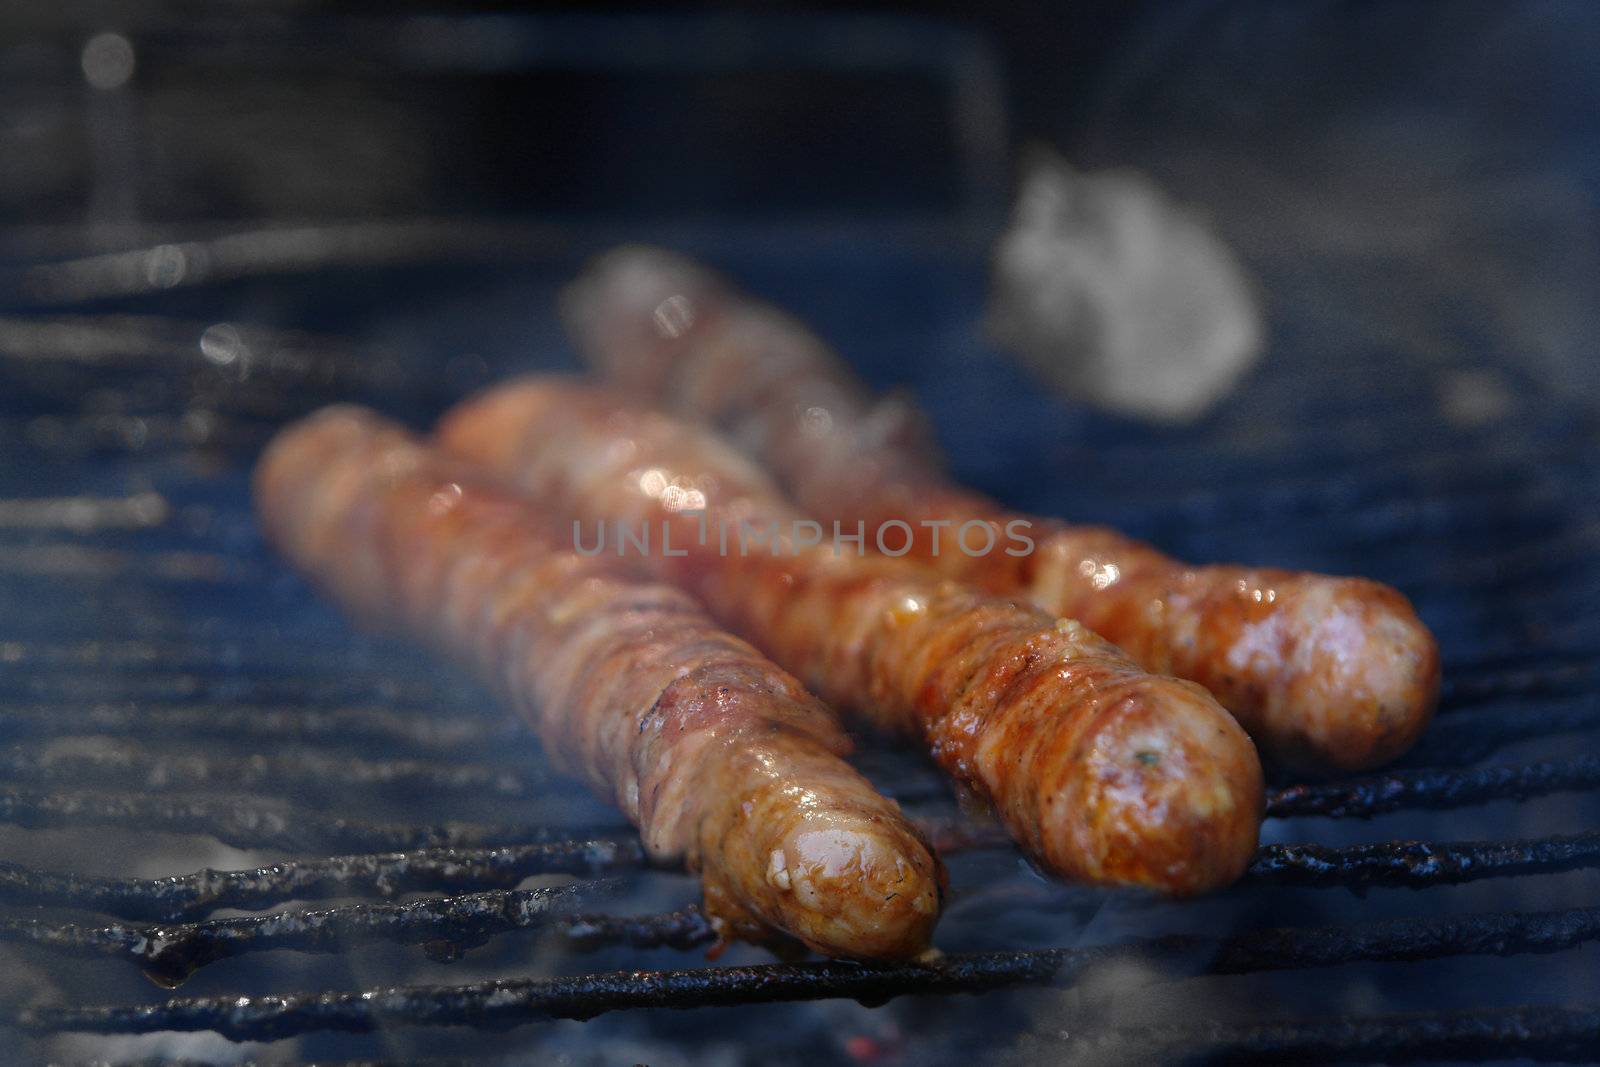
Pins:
x,y
1307,283
1437,158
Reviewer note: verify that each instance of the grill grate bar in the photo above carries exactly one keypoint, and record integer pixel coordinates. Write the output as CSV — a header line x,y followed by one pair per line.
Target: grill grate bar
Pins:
x,y
290,250
360,682
444,926
85,514
154,343
248,822
513,1002
1433,789
275,687
376,874
1422,864
276,724
185,657
176,567
132,767
145,436
1534,1032
683,929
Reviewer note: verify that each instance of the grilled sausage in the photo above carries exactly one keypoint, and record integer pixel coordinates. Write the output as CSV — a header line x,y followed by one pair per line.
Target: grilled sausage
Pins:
x,y
719,757
1103,772
1326,673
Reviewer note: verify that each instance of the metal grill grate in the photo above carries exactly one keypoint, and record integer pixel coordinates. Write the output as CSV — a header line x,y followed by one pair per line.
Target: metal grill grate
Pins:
x,y
167,689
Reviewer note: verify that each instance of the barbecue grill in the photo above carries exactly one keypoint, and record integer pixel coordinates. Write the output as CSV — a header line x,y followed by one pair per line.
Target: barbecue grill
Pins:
x,y
233,828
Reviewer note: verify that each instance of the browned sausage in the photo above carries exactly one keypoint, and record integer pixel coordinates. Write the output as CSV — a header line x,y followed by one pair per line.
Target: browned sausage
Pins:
x,y
1325,673
1102,771
719,757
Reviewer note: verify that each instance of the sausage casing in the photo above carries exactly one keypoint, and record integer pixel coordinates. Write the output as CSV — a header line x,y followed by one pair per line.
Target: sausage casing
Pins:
x,y
721,758
1326,673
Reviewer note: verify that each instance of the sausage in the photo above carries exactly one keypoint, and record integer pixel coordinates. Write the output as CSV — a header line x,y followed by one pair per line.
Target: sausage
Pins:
x,y
1326,673
719,757
1103,772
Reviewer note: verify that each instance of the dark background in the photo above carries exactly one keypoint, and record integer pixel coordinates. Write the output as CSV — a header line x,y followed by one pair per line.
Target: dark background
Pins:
x,y
1441,155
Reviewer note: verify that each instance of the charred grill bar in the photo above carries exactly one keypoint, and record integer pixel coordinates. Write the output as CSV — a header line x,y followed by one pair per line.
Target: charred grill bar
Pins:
x,y
510,1003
